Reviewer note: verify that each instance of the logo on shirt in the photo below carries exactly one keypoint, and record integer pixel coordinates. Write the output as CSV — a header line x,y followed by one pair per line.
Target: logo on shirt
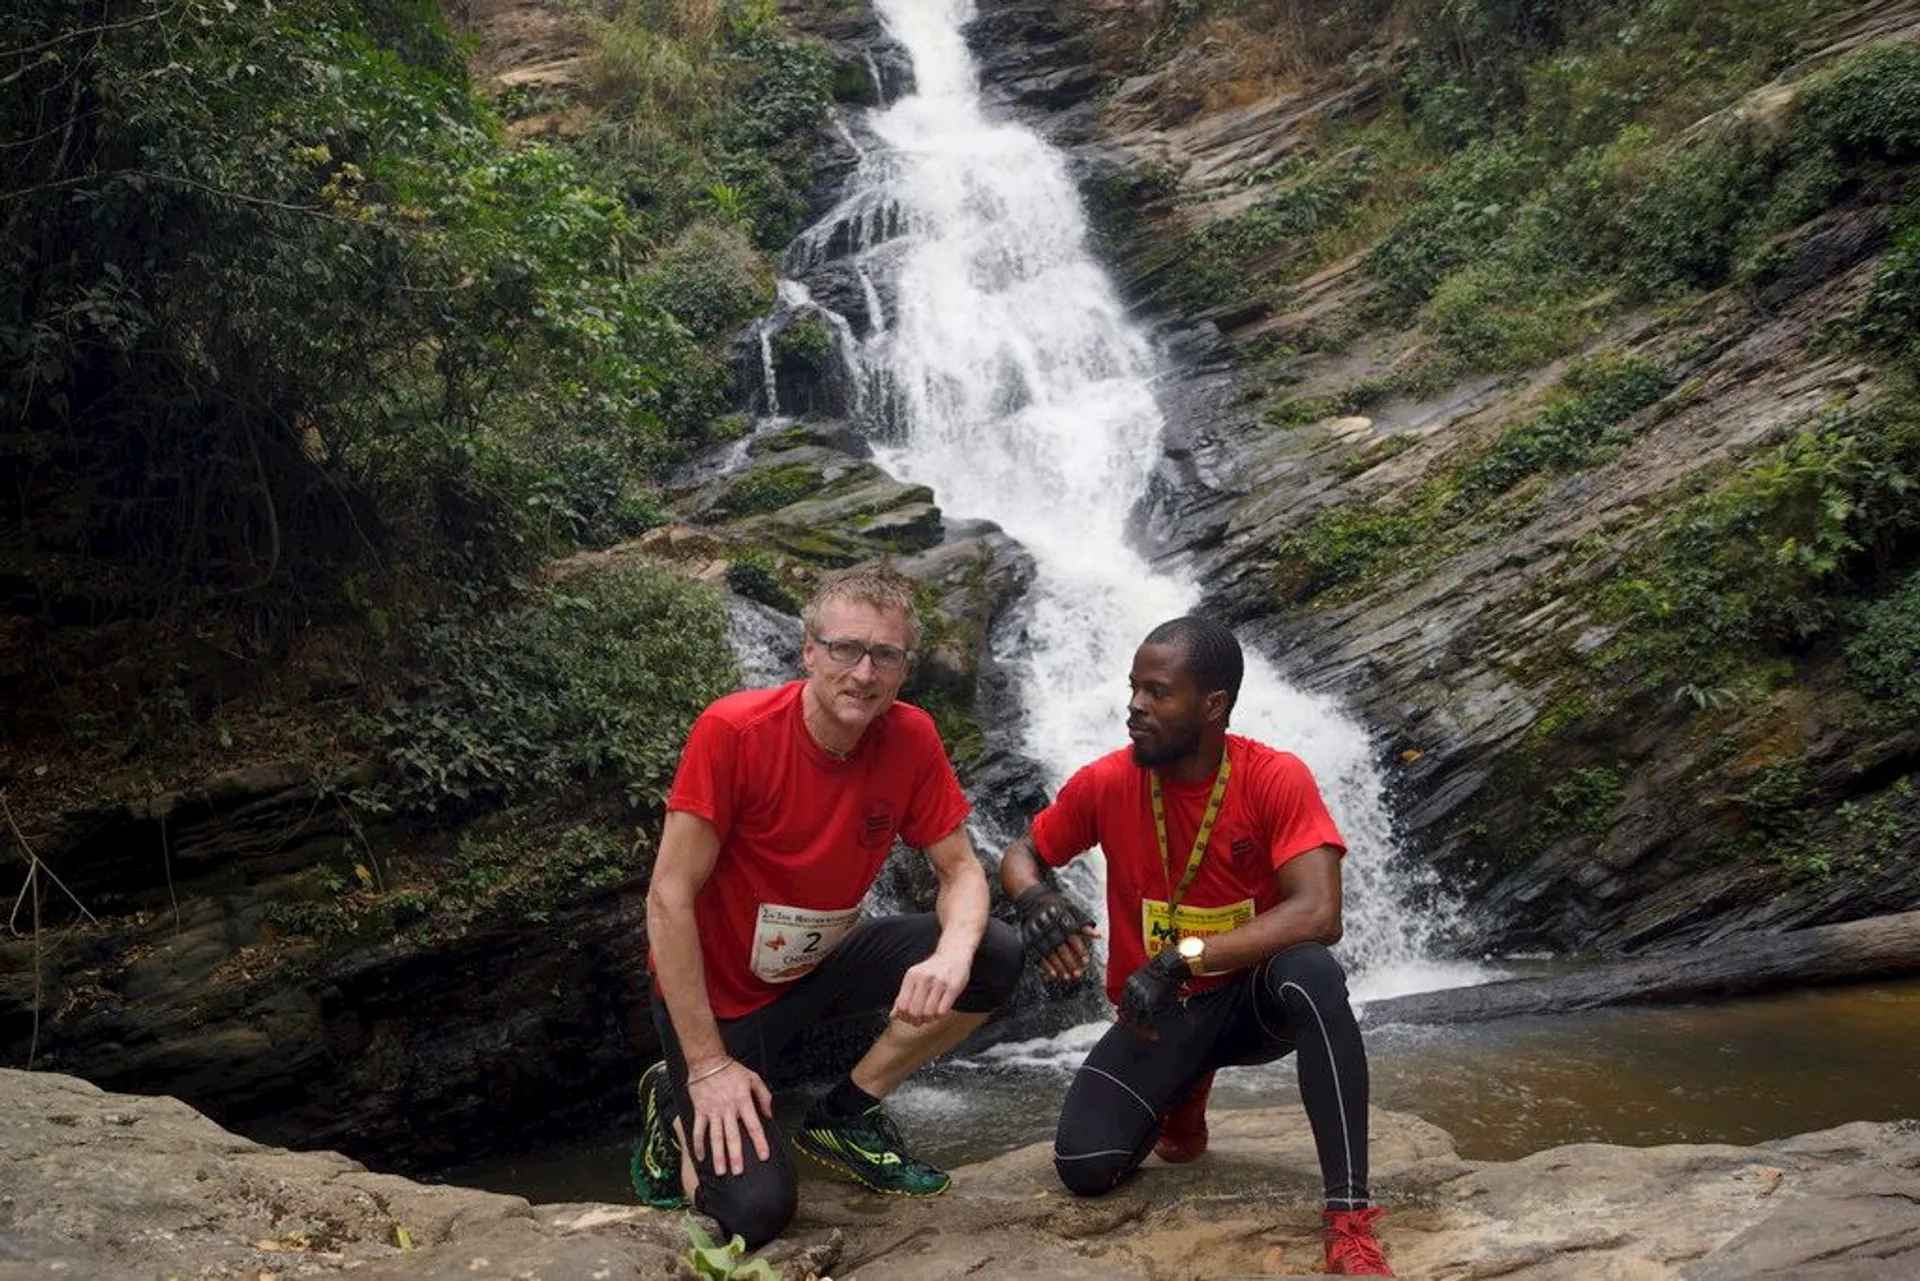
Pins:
x,y
1245,855
876,828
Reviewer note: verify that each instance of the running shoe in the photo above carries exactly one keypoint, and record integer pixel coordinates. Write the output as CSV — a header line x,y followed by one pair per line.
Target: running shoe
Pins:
x,y
1183,1130
656,1153
1352,1249
869,1150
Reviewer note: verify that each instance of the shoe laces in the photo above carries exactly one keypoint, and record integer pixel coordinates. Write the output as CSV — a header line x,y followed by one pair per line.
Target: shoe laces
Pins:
x,y
1350,1239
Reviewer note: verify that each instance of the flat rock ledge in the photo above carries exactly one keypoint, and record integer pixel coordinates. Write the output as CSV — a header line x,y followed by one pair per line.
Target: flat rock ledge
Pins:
x,y
107,1185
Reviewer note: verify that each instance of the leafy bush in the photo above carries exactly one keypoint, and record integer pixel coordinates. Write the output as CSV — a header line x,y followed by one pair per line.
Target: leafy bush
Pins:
x,y
1768,557
754,574
1883,656
1683,228
710,280
1867,108
601,673
1463,210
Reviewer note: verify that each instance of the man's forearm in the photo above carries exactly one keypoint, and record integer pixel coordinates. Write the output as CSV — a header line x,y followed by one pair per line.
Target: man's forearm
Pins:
x,y
962,906
682,977
1020,868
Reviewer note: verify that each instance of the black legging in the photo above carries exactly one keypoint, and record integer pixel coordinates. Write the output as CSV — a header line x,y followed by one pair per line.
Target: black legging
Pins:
x,y
1293,1002
861,974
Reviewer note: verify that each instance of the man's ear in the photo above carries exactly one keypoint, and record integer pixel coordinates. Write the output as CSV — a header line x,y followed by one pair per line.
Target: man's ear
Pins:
x,y
1215,706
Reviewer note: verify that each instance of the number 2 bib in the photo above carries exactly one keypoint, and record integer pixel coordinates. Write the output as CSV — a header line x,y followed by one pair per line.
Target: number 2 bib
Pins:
x,y
789,941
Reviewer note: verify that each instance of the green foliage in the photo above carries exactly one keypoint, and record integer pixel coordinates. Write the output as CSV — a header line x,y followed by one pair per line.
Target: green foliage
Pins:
x,y
279,310
1596,395
1577,805
1883,655
707,108
710,280
1867,108
727,1262
754,574
1888,320
599,673
1461,213
1344,544
1779,807
1229,258
1769,557
1686,223
525,875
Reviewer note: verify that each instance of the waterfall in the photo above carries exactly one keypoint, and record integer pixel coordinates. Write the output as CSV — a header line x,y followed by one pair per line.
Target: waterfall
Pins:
x,y
1019,389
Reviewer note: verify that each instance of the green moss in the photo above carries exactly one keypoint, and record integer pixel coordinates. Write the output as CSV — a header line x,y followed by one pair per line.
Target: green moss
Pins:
x,y
766,489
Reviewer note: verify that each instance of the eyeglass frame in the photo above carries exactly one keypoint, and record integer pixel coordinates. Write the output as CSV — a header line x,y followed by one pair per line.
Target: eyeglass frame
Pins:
x,y
866,651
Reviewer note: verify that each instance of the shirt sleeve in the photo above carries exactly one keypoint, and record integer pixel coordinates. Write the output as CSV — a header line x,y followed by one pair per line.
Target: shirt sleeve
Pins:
x,y
1300,821
1069,827
937,805
703,784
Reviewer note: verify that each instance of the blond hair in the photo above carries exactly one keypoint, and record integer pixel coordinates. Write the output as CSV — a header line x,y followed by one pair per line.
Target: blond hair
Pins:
x,y
877,585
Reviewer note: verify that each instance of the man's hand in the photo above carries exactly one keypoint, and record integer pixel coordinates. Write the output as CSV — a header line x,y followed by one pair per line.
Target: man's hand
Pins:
x,y
1153,990
727,1106
929,989
1055,930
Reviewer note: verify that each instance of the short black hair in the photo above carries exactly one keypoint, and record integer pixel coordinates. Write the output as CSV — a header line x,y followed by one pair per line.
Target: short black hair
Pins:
x,y
1213,653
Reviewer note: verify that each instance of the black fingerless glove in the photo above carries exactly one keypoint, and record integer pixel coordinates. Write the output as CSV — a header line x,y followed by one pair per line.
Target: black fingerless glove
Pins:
x,y
1153,990
1048,918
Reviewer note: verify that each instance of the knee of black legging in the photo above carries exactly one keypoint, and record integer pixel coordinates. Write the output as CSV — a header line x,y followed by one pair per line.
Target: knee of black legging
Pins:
x,y
757,1208
996,968
1309,966
1089,1175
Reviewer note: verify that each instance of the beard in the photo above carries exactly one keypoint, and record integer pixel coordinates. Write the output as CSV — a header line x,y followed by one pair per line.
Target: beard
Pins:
x,y
1164,751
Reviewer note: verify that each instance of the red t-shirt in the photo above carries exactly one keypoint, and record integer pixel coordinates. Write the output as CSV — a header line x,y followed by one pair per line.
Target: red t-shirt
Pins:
x,y
802,834
1272,812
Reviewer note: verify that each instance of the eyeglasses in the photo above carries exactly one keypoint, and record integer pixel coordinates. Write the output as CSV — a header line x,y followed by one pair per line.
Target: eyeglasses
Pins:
x,y
847,652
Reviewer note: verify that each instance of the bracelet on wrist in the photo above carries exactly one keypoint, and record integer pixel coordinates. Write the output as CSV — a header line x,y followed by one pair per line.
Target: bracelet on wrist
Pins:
x,y
710,1072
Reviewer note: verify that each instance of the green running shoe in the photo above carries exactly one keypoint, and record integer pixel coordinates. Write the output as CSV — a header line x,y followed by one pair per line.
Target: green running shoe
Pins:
x,y
656,1153
869,1150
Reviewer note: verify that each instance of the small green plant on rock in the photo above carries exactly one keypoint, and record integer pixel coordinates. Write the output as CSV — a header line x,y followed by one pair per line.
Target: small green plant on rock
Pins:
x,y
727,1262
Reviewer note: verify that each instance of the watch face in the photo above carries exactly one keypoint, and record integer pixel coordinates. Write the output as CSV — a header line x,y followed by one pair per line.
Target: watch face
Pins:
x,y
1192,949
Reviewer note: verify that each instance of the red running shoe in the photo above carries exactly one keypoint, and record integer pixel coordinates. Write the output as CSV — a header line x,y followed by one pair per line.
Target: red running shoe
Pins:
x,y
1183,1130
1352,1249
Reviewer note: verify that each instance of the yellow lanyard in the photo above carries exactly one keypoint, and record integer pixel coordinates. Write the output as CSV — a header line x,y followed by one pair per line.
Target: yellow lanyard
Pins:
x,y
1199,838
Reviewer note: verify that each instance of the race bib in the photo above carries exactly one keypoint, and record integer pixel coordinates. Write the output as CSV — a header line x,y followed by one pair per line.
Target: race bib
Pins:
x,y
1157,924
789,941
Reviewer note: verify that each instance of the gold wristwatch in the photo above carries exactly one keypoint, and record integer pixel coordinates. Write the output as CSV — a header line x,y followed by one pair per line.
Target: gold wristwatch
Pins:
x,y
1193,950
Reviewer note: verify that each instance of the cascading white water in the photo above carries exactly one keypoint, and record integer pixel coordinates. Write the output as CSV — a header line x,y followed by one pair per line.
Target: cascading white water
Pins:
x,y
1021,392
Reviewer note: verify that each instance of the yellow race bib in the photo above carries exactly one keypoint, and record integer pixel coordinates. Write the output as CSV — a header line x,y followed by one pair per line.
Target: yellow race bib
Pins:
x,y
1160,926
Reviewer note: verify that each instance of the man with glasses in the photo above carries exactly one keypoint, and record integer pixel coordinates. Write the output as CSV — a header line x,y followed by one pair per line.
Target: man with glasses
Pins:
x,y
785,805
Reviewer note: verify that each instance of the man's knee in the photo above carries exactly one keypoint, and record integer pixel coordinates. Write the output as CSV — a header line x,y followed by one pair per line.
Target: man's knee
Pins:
x,y
757,1204
1091,1173
1308,968
996,969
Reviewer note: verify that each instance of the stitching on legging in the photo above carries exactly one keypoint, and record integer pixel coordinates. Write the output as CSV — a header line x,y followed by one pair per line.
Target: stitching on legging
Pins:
x,y
1058,1155
1333,1070
1144,1105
